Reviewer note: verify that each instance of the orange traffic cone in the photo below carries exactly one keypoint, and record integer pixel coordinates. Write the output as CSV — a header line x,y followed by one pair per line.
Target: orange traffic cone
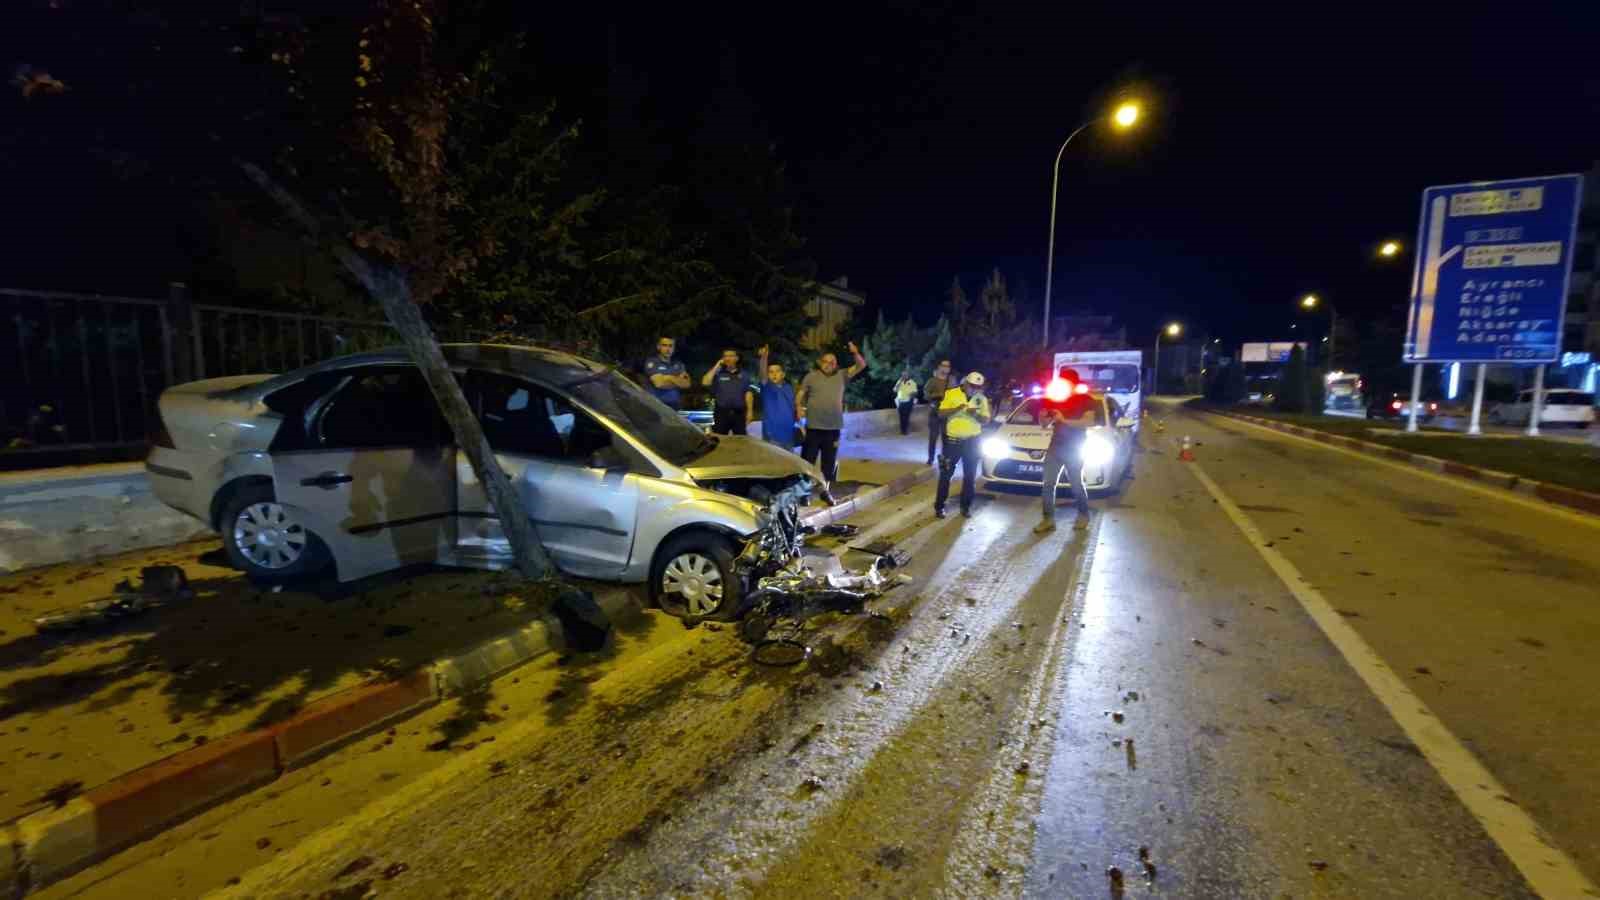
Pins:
x,y
1185,454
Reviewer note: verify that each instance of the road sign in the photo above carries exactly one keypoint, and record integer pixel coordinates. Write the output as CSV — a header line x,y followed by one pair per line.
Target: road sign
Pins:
x,y
1493,260
1275,351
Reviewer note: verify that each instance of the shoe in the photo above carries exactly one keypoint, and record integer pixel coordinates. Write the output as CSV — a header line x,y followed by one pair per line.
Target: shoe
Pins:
x,y
938,512
1044,528
966,513
1081,524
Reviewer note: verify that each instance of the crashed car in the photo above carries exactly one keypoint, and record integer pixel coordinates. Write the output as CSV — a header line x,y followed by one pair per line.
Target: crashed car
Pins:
x,y
348,464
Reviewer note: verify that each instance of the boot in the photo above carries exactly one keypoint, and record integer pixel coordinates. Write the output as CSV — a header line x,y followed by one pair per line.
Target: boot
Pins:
x,y
1045,527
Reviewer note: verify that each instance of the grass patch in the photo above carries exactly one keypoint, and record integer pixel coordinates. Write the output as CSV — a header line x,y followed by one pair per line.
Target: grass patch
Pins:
x,y
1554,462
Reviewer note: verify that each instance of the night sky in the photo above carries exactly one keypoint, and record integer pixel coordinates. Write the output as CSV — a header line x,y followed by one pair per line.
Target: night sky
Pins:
x,y
1278,150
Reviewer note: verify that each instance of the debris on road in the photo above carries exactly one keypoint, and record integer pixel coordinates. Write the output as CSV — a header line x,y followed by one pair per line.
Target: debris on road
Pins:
x,y
160,585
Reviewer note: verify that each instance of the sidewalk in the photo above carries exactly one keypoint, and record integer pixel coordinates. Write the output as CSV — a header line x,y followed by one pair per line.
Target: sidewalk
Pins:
x,y
78,710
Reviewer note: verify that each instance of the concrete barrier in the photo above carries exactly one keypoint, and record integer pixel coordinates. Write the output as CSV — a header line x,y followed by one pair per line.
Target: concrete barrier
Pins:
x,y
865,423
51,516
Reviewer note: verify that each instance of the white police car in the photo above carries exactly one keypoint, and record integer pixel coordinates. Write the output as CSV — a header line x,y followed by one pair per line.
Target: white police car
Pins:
x,y
1014,453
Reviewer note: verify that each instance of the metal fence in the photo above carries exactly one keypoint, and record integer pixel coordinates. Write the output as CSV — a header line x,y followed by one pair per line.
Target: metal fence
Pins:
x,y
81,372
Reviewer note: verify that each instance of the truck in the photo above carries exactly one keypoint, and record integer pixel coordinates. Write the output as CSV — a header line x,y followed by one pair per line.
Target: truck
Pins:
x,y
1115,373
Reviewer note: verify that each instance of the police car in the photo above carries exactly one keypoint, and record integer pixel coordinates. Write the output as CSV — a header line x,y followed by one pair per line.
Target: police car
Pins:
x,y
1015,453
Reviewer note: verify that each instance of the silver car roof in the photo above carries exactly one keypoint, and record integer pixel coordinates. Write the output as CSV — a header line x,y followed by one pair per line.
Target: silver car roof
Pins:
x,y
553,367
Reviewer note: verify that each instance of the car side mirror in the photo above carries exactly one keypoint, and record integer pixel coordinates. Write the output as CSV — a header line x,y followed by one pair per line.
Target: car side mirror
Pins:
x,y
607,458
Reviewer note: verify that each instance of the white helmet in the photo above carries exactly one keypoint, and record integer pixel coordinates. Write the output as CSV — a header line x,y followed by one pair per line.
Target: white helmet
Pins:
x,y
973,378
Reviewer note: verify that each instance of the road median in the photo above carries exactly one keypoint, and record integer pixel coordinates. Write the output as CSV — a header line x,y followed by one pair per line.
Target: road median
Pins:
x,y
1554,494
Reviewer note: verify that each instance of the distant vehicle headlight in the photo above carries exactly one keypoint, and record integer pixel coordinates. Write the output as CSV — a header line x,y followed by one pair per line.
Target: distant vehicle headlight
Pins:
x,y
995,448
1097,451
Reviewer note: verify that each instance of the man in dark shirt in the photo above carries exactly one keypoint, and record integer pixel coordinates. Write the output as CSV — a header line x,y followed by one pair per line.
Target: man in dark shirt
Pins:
x,y
1069,421
732,395
934,392
664,376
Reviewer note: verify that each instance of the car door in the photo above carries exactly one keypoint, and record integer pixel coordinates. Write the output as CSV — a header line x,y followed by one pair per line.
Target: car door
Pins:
x,y
584,512
373,471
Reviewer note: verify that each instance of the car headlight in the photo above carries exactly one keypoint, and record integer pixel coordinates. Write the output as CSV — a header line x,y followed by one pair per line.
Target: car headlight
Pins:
x,y
995,447
1097,451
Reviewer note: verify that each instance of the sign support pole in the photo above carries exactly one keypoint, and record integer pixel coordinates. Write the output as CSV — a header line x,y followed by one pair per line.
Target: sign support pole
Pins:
x,y
1416,394
1538,401
1477,400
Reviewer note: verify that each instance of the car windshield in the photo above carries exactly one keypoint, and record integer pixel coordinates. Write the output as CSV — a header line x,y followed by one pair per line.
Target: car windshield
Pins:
x,y
1109,379
1027,413
646,418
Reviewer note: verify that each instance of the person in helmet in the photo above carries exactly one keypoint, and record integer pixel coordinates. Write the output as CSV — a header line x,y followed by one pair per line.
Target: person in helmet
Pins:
x,y
964,411
1069,421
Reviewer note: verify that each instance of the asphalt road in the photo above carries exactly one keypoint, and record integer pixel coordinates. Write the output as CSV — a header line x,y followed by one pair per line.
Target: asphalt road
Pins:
x,y
1279,671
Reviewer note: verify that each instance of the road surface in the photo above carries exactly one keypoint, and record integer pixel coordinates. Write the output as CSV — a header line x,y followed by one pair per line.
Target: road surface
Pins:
x,y
1278,671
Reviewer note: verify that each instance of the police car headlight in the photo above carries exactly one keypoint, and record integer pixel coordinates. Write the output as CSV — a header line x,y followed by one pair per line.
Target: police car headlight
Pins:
x,y
1097,451
996,448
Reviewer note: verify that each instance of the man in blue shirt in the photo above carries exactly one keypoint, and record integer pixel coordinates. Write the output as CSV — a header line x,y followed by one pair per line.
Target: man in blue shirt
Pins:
x,y
665,377
777,406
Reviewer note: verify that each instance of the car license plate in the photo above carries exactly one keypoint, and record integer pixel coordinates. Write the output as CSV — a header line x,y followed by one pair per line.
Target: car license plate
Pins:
x,y
1030,469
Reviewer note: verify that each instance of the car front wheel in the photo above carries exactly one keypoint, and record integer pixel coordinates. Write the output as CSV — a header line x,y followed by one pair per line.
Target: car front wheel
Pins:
x,y
264,539
694,576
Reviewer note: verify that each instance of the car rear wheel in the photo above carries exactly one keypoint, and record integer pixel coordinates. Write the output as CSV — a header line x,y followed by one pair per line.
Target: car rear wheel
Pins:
x,y
693,576
264,539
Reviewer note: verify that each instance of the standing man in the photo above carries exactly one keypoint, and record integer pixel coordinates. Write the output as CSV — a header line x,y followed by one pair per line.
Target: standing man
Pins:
x,y
1069,422
934,392
778,415
821,404
965,410
905,397
732,395
666,376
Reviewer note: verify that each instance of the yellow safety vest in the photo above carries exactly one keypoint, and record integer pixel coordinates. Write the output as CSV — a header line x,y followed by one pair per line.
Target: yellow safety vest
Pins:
x,y
961,419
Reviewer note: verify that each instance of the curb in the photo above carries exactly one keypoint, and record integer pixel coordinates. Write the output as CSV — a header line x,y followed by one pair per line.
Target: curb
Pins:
x,y
47,845
1553,494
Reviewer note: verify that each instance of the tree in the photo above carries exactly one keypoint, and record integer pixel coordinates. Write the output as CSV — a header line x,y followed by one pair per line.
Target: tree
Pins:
x,y
403,222
957,308
1293,391
999,313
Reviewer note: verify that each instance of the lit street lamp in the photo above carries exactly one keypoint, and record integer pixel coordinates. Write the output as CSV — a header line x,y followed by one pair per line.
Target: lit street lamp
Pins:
x,y
1172,330
1389,248
1312,301
1122,118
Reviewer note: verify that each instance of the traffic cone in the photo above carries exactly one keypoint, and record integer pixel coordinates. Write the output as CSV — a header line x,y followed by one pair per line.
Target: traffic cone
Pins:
x,y
1185,454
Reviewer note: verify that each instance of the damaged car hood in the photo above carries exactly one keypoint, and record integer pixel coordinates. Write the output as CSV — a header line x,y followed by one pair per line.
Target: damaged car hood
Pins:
x,y
744,457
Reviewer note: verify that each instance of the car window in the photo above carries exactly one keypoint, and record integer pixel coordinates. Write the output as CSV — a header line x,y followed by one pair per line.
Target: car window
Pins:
x,y
1570,398
519,417
389,406
1027,412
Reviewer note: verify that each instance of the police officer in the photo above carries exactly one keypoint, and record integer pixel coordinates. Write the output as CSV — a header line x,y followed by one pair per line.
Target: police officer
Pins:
x,y
665,376
965,410
732,395
1069,421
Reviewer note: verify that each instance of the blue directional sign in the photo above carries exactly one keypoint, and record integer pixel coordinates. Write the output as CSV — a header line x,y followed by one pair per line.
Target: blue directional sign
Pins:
x,y
1493,260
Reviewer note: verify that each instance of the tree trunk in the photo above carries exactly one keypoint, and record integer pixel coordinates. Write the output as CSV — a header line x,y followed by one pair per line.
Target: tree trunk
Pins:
x,y
393,292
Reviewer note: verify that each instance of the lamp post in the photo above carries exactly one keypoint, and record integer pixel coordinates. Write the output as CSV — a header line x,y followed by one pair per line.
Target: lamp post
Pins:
x,y
1122,119
1311,301
1172,330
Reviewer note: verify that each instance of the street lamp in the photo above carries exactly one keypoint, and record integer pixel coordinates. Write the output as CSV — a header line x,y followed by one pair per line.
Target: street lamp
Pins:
x,y
1172,330
1312,301
1389,248
1124,117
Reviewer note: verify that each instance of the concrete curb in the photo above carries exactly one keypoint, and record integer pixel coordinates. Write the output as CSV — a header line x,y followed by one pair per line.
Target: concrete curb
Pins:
x,y
1553,494
50,844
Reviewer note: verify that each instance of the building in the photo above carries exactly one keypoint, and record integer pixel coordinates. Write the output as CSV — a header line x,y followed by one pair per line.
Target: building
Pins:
x,y
832,308
1580,345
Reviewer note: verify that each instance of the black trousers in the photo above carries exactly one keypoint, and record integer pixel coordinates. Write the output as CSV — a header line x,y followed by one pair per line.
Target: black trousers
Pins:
x,y
823,441
964,451
935,429
905,416
727,421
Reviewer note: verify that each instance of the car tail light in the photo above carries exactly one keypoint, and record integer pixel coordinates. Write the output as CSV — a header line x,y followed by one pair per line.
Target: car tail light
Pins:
x,y
159,436
1395,405
1433,406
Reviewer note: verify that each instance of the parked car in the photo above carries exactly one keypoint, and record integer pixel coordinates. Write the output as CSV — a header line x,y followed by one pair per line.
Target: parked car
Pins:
x,y
1562,406
349,464
1397,406
1014,453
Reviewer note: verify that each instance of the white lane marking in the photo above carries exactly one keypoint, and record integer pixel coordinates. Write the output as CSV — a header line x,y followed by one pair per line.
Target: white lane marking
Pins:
x,y
1549,871
1452,480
